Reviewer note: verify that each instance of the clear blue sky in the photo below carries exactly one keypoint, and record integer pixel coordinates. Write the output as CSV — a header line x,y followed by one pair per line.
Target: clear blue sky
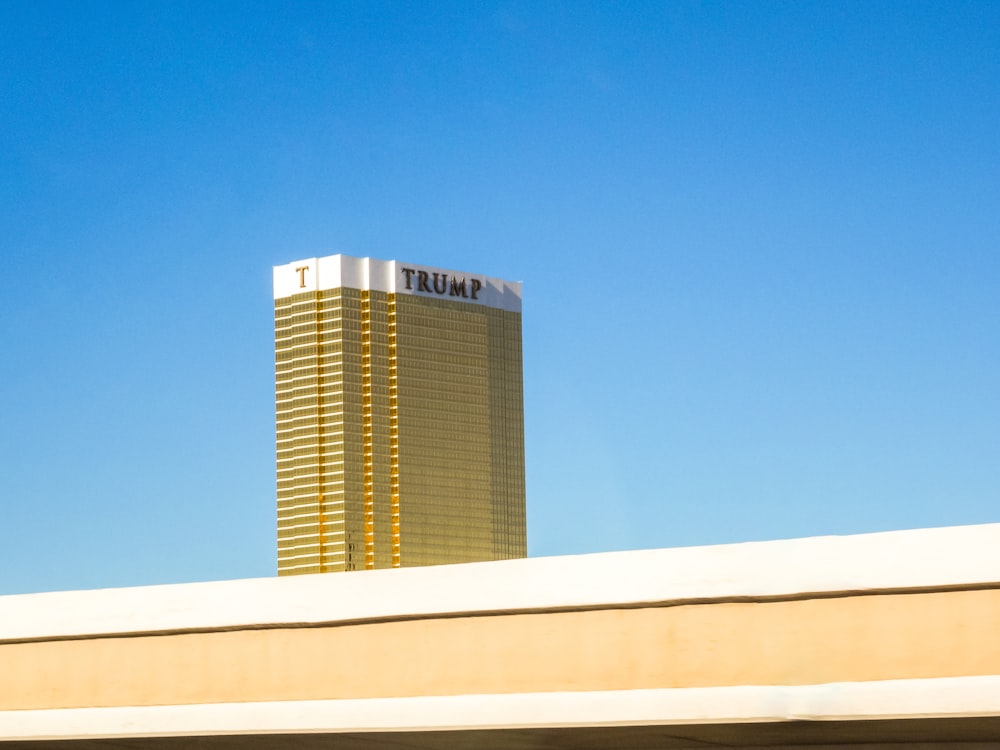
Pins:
x,y
760,247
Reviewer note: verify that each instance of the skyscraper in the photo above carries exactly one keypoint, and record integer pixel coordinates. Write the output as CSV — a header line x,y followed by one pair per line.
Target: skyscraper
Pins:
x,y
400,427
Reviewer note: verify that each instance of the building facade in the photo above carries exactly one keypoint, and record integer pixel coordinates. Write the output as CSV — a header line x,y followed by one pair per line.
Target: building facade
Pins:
x,y
400,428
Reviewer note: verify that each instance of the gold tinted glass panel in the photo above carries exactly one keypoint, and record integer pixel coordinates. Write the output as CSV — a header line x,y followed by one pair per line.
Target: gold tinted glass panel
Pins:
x,y
399,431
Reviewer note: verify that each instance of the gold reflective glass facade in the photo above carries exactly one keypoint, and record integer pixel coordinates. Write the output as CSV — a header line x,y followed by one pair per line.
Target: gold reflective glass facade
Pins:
x,y
400,436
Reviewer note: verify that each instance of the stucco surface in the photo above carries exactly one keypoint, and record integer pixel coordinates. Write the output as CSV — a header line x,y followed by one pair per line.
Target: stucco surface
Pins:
x,y
800,642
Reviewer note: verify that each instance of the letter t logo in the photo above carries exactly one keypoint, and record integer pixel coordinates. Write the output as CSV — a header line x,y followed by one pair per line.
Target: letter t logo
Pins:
x,y
301,271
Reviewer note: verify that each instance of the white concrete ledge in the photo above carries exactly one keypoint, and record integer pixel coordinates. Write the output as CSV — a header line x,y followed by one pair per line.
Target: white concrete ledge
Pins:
x,y
959,697
964,556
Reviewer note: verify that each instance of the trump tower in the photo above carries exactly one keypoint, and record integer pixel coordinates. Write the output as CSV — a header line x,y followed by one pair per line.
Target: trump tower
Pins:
x,y
400,417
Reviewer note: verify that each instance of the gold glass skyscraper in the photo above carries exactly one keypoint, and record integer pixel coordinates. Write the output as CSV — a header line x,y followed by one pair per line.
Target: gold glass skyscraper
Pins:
x,y
400,418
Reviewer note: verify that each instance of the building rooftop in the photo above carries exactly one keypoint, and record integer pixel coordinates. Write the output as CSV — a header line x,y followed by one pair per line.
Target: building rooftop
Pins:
x,y
876,637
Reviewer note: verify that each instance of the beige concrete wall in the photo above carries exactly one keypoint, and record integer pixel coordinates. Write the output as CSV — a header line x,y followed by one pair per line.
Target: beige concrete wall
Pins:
x,y
802,642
